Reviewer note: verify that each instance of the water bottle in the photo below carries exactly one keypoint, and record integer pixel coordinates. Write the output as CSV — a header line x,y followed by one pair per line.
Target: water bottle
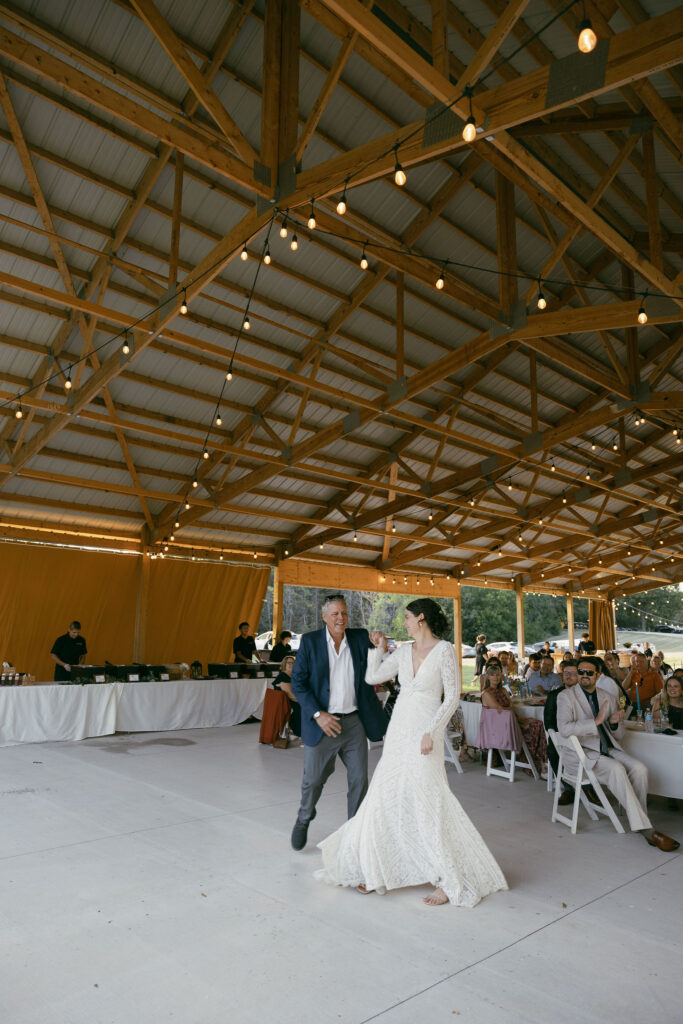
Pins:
x,y
664,718
649,722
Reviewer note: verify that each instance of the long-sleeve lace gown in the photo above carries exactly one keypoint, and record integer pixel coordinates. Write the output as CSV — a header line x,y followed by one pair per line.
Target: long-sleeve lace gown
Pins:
x,y
410,829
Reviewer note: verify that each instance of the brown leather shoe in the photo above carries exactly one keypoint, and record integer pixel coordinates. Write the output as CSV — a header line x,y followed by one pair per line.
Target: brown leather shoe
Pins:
x,y
567,797
665,843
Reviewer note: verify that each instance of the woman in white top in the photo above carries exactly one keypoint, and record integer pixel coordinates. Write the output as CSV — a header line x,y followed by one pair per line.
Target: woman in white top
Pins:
x,y
410,829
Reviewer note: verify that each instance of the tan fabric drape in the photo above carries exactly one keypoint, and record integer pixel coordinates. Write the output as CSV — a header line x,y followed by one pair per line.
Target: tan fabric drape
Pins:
x,y
601,624
43,589
194,608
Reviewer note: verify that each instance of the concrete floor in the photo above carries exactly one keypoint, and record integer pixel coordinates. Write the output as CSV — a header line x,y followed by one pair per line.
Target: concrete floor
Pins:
x,y
149,878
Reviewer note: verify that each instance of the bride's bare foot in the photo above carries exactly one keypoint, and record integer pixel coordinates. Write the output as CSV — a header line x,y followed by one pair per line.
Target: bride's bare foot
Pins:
x,y
436,899
364,889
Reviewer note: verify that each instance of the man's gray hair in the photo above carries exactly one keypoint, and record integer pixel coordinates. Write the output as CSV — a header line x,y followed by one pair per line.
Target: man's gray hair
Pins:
x,y
332,599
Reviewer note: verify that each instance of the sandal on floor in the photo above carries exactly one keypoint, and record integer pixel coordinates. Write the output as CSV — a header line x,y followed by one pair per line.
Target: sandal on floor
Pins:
x,y
364,889
435,901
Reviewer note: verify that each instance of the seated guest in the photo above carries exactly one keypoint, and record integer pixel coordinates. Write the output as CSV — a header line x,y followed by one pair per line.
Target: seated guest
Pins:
x,y
494,662
283,681
567,659
282,647
583,642
545,679
642,682
656,663
611,677
605,681
508,663
534,665
670,700
664,667
68,650
495,696
243,646
570,677
613,668
593,717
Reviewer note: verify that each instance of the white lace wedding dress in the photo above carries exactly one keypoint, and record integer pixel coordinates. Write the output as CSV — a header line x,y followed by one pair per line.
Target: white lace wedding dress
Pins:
x,y
410,829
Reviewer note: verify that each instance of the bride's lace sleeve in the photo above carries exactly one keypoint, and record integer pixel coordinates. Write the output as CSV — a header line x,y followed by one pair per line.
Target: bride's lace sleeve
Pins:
x,y
452,684
379,671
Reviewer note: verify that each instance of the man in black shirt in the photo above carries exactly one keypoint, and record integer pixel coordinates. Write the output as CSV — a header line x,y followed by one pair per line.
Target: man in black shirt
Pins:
x,y
67,650
243,646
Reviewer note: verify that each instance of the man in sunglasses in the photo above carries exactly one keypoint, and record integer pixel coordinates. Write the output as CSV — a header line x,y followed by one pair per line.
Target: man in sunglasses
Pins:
x,y
593,716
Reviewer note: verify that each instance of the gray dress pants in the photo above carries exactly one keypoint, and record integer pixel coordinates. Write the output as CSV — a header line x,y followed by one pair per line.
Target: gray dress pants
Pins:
x,y
319,762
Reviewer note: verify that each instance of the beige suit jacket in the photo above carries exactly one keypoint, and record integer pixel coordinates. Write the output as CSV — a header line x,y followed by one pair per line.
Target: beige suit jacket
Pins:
x,y
575,718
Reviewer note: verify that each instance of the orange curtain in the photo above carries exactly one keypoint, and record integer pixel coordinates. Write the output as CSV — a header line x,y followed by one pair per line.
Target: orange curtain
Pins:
x,y
43,589
193,609
601,624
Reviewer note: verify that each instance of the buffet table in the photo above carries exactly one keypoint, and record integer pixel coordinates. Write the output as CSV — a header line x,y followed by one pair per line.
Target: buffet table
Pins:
x,y
662,755
37,714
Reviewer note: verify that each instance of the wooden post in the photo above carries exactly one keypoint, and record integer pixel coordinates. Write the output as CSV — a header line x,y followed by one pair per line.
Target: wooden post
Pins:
x,y
570,621
506,226
457,627
613,619
140,637
399,324
278,589
519,595
280,102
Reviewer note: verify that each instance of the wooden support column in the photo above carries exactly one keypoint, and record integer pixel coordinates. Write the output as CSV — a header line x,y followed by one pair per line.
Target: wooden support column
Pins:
x,y
519,596
653,225
632,371
613,619
400,282
571,643
140,638
457,627
440,36
533,391
507,242
278,590
280,103
177,214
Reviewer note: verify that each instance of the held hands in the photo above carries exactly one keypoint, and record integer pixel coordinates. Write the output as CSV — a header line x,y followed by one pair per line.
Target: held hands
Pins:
x,y
426,744
617,716
602,713
379,640
329,724
67,668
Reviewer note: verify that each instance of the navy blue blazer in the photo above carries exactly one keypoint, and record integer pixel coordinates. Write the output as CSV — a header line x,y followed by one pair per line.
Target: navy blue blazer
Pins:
x,y
311,684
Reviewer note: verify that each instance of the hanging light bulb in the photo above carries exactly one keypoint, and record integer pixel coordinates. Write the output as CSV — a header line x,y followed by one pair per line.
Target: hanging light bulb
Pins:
x,y
592,446
440,281
311,220
642,315
67,380
564,499
509,483
205,454
393,528
355,537
195,482
472,502
430,516
177,524
220,557
183,304
363,261
283,228
125,348
540,301
321,545
165,543
552,466
266,258
587,40
246,323
187,505
19,412
675,431
469,131
219,419
228,375
172,537
431,580
399,173
294,244
588,474
244,255
615,446
341,205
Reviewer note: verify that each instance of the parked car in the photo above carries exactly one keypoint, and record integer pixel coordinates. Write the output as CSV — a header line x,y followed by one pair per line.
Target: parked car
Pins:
x,y
264,641
468,652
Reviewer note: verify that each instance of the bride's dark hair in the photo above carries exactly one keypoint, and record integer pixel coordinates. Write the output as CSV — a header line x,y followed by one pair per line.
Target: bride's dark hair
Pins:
x,y
434,615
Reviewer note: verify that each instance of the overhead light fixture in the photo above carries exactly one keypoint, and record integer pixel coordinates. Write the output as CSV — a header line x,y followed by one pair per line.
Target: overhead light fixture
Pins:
x,y
177,524
205,454
642,315
246,323
125,348
540,301
469,131
219,419
587,40
399,173
283,227
195,482
244,255
363,261
228,375
187,505
19,412
294,244
183,304
341,205
552,466
440,281
311,219
266,258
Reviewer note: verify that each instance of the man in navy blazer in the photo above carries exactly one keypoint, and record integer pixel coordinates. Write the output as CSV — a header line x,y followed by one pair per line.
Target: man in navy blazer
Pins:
x,y
339,711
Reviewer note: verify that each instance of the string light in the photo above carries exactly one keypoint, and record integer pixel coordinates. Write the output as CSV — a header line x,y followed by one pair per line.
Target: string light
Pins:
x,y
311,219
19,412
177,524
642,315
125,348
195,482
393,528
266,258
640,419
399,173
431,580
509,483
615,446
355,537
363,261
165,543
564,499
430,516
67,381
592,446
469,131
286,551
588,474
283,227
221,555
341,205
587,40
228,375
172,537
187,505
294,244
552,466
440,281
472,502
244,255
321,545
246,323
219,419
205,454
183,304
540,301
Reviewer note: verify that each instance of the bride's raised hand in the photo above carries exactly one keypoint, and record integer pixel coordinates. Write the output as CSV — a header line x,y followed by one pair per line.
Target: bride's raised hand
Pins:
x,y
426,744
379,640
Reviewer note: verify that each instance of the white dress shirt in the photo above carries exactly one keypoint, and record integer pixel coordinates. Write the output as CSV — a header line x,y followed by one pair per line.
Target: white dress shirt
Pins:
x,y
342,683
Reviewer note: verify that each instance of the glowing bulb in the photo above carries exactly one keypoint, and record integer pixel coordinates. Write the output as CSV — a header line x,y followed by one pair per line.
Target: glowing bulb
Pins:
x,y
125,348
642,315
221,556
311,220
283,229
183,304
19,412
219,420
177,524
587,40
469,132
341,205
294,244
509,485
552,467
355,537
244,255
67,382
195,482
187,504
247,324
615,446
541,301
399,174
205,454
440,282
363,261
266,258
228,375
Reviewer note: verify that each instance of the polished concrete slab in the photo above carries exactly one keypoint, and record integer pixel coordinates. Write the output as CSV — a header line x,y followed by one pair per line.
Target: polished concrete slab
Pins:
x,y
149,878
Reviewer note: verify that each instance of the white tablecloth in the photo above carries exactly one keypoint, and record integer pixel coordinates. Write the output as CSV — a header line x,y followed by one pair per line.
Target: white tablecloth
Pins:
x,y
661,755
35,714
188,704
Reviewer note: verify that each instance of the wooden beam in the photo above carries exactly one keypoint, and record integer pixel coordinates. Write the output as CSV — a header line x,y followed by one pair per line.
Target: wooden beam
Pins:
x,y
175,223
492,44
400,309
280,101
653,223
507,242
440,36
325,93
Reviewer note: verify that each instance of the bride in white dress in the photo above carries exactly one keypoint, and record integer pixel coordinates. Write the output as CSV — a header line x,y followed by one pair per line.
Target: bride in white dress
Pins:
x,y
410,829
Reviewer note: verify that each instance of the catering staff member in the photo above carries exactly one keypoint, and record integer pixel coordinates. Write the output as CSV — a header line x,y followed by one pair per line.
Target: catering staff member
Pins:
x,y
68,650
243,646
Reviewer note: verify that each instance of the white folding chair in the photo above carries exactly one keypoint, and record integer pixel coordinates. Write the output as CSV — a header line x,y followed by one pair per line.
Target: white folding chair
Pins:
x,y
585,776
511,763
450,753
